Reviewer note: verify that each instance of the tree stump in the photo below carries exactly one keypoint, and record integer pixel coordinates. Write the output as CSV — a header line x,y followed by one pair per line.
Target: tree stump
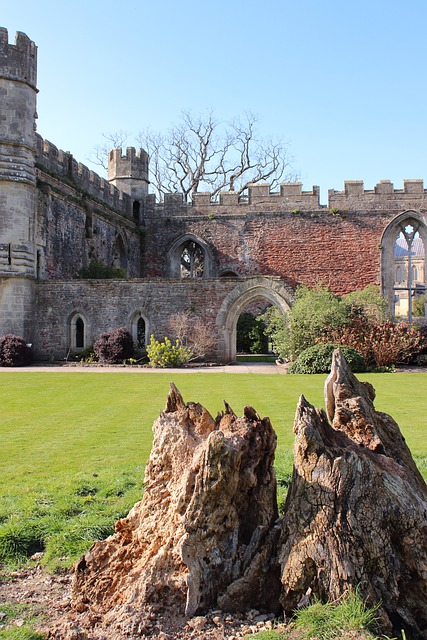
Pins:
x,y
206,533
356,511
209,501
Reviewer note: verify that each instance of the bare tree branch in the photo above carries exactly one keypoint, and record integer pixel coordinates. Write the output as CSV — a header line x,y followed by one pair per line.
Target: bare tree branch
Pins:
x,y
113,139
200,153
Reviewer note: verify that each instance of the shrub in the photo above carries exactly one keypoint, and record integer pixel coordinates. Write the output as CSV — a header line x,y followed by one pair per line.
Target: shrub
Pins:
x,y
14,351
382,344
166,354
368,302
193,335
97,270
317,359
114,346
313,309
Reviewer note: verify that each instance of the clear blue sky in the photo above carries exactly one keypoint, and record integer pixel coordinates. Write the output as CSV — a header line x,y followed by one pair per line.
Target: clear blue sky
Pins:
x,y
343,82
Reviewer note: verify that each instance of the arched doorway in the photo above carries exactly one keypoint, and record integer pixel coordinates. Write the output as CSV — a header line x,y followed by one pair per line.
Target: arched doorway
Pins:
x,y
252,341
271,291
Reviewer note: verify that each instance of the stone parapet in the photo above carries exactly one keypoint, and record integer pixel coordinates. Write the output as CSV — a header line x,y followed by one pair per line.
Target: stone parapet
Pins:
x,y
62,164
382,197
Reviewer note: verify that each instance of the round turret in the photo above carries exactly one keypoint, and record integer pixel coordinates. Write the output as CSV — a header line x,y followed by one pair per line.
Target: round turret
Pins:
x,y
18,99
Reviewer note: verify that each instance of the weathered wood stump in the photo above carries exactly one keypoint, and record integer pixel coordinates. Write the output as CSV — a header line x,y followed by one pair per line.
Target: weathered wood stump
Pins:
x,y
356,511
206,533
209,501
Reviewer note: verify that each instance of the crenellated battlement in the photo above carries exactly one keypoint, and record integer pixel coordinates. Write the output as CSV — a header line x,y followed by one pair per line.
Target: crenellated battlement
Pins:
x,y
133,164
18,61
382,196
290,197
63,164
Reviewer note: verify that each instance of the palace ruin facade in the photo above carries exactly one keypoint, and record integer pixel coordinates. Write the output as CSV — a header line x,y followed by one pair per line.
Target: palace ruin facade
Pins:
x,y
210,259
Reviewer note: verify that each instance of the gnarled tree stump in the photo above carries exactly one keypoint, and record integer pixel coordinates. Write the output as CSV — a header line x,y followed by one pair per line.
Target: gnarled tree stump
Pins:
x,y
356,511
206,533
209,501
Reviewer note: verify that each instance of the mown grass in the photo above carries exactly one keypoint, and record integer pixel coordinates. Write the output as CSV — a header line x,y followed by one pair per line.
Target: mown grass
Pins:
x,y
73,445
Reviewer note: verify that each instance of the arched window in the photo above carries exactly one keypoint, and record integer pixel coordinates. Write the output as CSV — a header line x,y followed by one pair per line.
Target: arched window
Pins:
x,y
140,333
192,260
404,264
139,328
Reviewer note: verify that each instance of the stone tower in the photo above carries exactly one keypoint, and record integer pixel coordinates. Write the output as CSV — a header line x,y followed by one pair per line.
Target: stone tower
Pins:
x,y
18,258
129,173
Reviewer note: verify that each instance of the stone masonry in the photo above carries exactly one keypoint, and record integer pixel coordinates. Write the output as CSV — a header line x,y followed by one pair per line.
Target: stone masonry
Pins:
x,y
56,216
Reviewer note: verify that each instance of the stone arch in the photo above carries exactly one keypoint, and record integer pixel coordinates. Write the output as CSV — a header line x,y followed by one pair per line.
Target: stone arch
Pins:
x,y
175,252
275,291
78,331
390,272
135,328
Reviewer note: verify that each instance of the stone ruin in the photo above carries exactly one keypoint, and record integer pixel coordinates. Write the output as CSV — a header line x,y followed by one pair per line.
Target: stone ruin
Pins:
x,y
206,534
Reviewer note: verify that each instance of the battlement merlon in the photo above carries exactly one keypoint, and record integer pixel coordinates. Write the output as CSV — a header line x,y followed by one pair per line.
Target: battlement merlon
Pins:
x,y
383,195
18,61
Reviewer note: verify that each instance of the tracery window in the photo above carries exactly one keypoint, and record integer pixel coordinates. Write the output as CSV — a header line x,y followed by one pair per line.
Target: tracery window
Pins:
x,y
139,330
192,260
409,261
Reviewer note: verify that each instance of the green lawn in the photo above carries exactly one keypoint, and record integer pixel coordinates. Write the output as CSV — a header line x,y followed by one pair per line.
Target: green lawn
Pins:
x,y
73,445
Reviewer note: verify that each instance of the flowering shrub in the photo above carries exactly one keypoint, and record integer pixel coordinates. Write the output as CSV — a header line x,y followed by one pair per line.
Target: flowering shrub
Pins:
x,y
14,351
383,344
166,354
114,346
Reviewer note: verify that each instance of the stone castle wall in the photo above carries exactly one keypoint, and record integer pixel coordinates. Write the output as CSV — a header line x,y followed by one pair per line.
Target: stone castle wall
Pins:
x,y
57,216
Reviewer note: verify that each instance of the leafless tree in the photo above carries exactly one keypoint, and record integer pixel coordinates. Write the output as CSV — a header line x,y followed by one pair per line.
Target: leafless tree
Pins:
x,y
192,333
112,140
200,153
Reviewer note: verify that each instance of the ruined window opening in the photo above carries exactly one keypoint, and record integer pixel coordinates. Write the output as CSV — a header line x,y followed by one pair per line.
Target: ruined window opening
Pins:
x,y
120,256
409,259
228,274
9,255
136,210
192,260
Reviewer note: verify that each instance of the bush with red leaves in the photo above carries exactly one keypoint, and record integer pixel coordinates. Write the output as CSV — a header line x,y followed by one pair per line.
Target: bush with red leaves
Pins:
x,y
114,346
14,351
382,344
